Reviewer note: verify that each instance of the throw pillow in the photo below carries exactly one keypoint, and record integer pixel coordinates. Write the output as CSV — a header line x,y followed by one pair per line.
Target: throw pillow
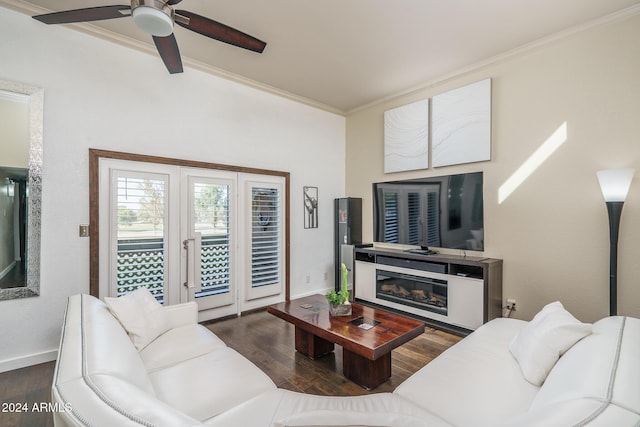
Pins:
x,y
539,344
141,315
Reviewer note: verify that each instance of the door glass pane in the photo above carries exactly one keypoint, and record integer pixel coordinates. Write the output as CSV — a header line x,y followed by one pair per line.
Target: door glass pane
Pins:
x,y
140,233
265,237
211,220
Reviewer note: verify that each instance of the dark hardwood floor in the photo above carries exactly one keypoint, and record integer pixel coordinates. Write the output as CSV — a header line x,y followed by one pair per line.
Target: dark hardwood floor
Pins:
x,y
265,340
269,343
20,390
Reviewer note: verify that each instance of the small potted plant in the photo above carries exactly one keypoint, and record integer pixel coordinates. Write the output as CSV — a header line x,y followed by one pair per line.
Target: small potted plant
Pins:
x,y
339,304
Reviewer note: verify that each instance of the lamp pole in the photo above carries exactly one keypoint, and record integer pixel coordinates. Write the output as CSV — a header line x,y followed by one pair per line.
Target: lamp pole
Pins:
x,y
614,210
615,185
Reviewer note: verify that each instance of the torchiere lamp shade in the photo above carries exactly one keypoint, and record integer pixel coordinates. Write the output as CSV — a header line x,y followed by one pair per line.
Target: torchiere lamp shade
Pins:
x,y
615,184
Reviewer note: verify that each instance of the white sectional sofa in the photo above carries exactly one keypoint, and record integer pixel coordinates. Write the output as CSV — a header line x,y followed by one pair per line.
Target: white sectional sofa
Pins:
x,y
185,376
188,377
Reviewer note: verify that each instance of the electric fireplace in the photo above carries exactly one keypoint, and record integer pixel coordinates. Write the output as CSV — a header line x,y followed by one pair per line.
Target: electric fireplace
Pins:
x,y
420,292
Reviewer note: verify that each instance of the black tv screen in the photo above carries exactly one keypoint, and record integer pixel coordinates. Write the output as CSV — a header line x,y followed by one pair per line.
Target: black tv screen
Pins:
x,y
441,212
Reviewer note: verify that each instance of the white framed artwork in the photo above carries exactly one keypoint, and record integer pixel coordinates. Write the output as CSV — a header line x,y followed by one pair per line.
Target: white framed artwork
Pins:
x,y
461,125
406,137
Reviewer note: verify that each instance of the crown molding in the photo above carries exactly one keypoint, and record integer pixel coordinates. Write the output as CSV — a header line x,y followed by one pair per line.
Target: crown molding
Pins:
x,y
93,30
30,9
503,57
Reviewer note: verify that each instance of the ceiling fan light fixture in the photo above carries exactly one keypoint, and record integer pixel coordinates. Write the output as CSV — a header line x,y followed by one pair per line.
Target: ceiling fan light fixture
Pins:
x,y
153,17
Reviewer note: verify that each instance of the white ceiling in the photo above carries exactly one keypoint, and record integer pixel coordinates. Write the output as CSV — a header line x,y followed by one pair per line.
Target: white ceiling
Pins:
x,y
344,54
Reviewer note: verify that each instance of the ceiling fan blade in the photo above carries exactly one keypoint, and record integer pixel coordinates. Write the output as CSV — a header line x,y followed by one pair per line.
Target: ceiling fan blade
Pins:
x,y
82,15
210,28
169,52
173,2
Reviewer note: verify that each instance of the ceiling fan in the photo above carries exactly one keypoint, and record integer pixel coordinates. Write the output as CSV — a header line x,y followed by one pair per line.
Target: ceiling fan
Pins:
x,y
156,17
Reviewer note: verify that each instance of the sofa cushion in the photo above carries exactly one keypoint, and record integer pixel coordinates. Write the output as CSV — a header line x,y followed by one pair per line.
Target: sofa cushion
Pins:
x,y
182,314
539,344
475,382
350,418
626,389
602,367
179,344
204,386
577,412
105,347
99,375
140,315
290,408
105,400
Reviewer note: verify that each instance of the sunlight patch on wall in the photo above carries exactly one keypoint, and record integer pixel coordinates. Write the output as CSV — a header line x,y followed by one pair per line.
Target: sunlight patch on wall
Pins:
x,y
533,162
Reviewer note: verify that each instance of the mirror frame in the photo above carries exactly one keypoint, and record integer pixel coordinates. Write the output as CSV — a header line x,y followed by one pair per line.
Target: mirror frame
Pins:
x,y
34,208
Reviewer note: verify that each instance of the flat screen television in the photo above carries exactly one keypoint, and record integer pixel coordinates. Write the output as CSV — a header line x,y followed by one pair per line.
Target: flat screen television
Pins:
x,y
439,212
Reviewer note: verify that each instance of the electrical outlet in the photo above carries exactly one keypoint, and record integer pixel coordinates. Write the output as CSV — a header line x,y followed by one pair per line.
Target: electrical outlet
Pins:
x,y
308,279
511,303
83,230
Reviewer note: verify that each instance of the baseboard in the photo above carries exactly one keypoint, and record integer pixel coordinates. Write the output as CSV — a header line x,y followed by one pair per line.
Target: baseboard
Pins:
x,y
30,360
315,292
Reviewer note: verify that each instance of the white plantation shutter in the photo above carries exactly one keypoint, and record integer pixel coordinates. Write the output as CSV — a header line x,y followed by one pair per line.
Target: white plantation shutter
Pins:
x,y
265,237
266,240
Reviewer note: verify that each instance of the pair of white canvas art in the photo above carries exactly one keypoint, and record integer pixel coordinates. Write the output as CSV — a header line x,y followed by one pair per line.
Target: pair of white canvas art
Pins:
x,y
461,130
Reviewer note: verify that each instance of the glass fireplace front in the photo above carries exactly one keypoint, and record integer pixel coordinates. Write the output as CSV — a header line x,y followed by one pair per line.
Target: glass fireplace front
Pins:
x,y
420,292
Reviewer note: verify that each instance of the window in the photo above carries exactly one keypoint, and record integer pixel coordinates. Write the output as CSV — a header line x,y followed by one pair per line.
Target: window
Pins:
x,y
177,227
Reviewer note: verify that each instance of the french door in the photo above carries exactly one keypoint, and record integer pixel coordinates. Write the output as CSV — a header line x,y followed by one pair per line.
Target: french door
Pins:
x,y
211,236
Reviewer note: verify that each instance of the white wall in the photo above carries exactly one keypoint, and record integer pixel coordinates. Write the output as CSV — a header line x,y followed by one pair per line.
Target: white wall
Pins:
x,y
552,232
102,95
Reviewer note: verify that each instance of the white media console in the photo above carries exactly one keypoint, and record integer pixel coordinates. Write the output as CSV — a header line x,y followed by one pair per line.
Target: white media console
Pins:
x,y
459,293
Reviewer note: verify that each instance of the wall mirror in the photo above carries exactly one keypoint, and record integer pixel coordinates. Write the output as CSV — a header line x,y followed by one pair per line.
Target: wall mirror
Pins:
x,y
21,120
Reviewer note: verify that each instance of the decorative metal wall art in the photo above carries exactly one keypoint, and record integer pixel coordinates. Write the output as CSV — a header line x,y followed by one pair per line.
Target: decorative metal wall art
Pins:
x,y
310,195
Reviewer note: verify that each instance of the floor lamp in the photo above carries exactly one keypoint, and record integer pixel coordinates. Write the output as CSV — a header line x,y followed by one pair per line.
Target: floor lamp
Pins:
x,y
615,185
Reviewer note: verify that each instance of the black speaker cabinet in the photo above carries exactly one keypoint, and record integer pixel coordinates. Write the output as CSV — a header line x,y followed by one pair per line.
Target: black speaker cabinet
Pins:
x,y
348,233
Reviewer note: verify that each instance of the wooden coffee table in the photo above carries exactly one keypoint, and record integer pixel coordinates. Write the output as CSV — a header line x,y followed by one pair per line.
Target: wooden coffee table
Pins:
x,y
366,357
